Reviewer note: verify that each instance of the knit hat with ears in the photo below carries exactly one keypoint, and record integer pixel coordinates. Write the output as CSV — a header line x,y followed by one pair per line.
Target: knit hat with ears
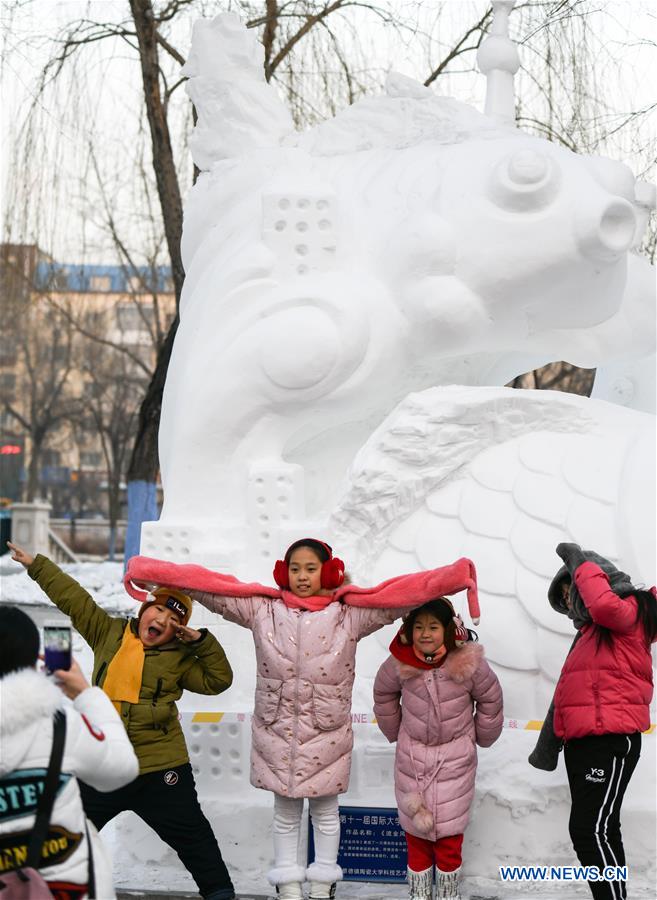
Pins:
x,y
456,634
173,599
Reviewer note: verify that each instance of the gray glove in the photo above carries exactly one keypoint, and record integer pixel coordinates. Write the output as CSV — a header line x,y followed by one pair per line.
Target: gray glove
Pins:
x,y
572,555
545,754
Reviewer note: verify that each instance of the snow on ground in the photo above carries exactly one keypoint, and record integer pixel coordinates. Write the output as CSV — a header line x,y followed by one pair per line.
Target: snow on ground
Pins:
x,y
520,815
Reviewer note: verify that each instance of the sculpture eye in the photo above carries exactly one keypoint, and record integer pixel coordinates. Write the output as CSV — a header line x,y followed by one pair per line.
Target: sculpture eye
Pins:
x,y
525,180
527,167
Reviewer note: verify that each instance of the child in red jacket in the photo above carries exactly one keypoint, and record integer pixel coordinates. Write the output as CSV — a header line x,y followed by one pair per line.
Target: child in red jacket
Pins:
x,y
602,701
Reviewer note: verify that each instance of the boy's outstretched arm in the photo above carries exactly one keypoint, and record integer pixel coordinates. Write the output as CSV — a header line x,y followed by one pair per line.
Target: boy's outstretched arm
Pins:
x,y
88,618
210,673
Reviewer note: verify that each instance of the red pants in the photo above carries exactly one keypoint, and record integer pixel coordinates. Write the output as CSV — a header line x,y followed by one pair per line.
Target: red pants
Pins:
x,y
445,853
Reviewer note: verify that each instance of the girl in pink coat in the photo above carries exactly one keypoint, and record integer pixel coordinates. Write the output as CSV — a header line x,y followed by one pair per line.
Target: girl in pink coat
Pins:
x,y
305,634
438,698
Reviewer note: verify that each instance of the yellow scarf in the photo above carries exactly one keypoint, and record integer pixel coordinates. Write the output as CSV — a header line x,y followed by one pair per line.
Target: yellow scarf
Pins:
x,y
124,673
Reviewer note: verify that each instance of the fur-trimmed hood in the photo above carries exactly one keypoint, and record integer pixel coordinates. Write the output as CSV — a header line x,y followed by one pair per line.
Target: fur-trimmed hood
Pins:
x,y
27,697
459,665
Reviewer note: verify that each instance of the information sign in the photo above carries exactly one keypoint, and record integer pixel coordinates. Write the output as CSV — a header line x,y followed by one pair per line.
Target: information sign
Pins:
x,y
372,844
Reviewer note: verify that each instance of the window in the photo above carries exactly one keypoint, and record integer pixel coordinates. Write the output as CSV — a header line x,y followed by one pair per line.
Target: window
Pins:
x,y
57,281
8,353
136,284
50,458
91,390
90,460
61,354
7,382
131,317
100,283
7,422
94,319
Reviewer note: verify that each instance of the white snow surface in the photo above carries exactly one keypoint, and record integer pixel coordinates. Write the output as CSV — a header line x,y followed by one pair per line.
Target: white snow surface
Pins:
x,y
520,815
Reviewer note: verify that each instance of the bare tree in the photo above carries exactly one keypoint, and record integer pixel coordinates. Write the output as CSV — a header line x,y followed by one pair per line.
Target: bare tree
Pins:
x,y
39,396
557,376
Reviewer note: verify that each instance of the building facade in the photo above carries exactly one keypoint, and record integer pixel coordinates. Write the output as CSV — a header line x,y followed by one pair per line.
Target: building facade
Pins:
x,y
79,344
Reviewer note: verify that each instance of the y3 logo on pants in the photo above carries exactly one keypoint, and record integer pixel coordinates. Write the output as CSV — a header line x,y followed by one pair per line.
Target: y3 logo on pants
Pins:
x,y
597,775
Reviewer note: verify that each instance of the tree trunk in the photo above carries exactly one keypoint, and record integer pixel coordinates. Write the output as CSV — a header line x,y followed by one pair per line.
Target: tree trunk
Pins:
x,y
144,462
144,459
32,482
163,161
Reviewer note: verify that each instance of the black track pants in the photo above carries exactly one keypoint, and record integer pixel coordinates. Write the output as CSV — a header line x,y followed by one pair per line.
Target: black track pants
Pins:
x,y
599,769
167,801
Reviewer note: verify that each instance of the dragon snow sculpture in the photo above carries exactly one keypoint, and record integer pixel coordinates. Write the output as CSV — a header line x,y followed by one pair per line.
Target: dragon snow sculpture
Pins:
x,y
408,243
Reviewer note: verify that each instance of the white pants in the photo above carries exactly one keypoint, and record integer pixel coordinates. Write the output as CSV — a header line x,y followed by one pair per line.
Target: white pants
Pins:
x,y
287,831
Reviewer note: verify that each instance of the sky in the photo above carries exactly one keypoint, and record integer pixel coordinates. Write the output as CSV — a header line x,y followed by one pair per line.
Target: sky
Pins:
x,y
89,127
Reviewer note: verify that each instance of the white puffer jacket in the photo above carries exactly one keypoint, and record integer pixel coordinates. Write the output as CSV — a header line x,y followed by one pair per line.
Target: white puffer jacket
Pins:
x,y
97,750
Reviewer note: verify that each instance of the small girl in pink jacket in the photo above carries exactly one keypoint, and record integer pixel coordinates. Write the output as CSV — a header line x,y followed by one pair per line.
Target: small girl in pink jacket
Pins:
x,y
437,697
305,634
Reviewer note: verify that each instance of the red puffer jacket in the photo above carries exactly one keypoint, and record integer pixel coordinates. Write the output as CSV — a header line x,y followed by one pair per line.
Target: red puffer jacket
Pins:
x,y
604,689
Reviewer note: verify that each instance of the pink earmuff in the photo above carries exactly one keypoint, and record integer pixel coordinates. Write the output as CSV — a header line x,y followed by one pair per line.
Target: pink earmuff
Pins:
x,y
332,574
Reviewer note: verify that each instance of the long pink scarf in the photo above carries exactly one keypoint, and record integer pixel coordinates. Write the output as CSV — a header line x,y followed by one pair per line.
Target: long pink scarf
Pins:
x,y
313,604
401,591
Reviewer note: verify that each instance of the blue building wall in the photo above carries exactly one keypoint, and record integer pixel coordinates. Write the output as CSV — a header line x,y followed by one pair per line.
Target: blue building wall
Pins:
x,y
55,276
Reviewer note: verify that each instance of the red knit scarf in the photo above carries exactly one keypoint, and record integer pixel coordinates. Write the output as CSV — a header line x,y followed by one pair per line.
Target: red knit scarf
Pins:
x,y
406,654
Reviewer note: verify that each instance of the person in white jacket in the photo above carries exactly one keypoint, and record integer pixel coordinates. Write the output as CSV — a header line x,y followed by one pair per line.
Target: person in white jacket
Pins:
x,y
97,750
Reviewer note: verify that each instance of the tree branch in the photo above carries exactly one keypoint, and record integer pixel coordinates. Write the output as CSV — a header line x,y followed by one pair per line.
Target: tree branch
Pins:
x,y
268,35
310,22
458,49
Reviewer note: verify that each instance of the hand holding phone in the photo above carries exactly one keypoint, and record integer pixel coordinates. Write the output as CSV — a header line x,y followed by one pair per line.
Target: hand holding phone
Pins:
x,y
71,682
57,646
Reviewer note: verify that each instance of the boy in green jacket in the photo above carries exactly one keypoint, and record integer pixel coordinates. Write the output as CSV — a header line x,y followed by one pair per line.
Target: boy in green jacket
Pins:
x,y
143,664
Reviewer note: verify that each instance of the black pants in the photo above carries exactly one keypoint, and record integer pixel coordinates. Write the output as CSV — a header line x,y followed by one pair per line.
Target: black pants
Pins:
x,y
167,801
599,769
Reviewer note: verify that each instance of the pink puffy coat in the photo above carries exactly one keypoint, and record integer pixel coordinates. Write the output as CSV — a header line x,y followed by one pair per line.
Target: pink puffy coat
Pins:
x,y
301,732
604,689
436,727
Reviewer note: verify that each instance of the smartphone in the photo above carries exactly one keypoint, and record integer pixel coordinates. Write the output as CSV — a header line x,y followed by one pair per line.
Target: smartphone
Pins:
x,y
57,645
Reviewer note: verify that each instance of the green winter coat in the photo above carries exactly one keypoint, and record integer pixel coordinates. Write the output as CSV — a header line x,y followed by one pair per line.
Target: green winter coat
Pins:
x,y
152,723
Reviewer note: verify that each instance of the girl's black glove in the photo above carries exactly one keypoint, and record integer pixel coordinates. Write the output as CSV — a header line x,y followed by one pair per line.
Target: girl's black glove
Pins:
x,y
572,555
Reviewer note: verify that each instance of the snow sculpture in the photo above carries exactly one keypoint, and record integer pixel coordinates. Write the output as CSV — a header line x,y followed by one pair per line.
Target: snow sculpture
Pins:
x,y
409,242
